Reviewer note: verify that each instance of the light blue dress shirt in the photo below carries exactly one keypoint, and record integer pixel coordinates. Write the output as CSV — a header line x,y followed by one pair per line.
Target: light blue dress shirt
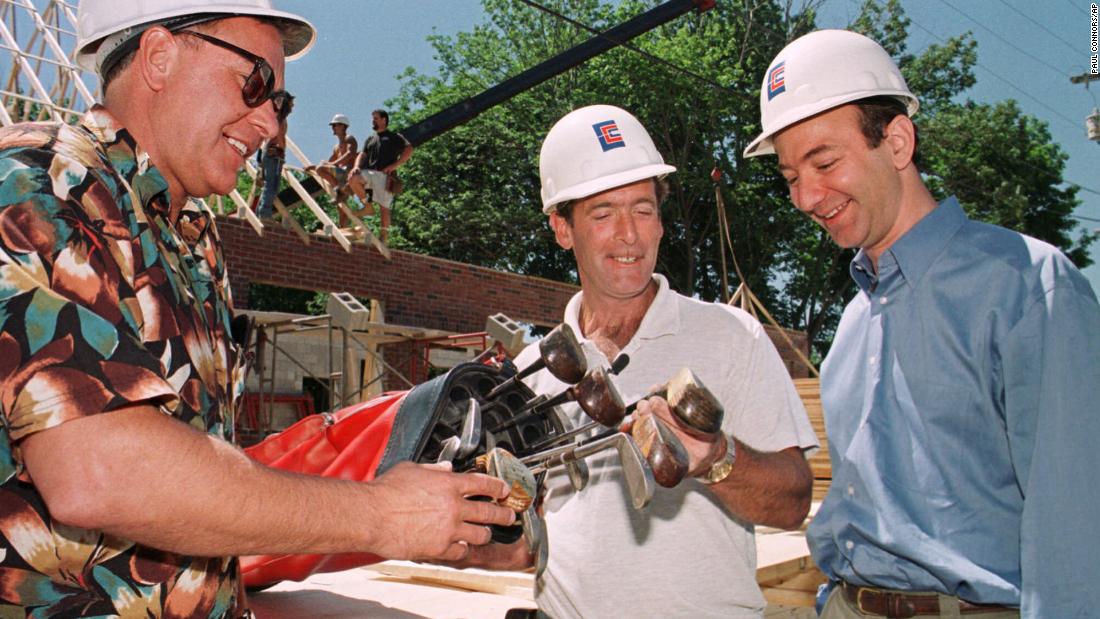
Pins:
x,y
962,406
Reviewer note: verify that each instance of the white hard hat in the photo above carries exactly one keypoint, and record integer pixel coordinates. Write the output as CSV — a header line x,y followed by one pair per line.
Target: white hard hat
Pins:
x,y
820,71
98,20
340,119
593,149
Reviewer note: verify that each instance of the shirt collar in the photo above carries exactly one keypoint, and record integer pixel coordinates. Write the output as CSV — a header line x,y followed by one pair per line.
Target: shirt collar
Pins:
x,y
132,163
660,319
915,251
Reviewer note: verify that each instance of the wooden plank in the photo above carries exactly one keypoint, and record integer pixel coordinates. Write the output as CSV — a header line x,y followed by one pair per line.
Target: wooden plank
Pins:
x,y
514,584
809,390
360,593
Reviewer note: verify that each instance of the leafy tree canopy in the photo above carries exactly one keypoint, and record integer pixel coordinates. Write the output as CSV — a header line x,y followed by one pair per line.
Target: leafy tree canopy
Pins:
x,y
473,193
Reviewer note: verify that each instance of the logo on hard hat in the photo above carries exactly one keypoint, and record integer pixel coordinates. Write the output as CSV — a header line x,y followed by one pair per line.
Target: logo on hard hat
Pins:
x,y
608,134
776,82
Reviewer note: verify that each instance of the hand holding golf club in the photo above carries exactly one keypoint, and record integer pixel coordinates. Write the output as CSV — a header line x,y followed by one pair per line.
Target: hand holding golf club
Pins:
x,y
701,450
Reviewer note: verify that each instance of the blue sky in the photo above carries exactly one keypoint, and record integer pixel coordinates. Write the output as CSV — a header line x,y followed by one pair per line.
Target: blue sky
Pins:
x,y
1026,51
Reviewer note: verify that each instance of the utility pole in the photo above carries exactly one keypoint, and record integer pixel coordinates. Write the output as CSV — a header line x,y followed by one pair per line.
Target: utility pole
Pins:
x,y
1092,121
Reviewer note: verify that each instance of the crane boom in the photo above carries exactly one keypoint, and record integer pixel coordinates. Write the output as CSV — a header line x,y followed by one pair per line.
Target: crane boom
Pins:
x,y
468,109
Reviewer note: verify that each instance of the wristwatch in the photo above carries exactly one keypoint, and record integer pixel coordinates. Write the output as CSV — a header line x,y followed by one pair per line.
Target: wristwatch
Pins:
x,y
721,469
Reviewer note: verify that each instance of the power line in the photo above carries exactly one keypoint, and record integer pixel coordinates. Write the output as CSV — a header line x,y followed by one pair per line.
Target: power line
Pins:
x,y
1083,188
628,46
1077,6
1006,81
591,30
1071,46
1002,39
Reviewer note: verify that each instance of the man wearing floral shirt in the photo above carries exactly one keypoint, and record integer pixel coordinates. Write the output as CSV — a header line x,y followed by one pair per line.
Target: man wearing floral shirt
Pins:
x,y
118,494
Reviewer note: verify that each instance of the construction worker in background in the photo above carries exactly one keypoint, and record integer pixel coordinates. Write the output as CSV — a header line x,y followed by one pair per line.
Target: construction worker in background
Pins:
x,y
691,552
271,165
383,153
960,393
121,495
336,168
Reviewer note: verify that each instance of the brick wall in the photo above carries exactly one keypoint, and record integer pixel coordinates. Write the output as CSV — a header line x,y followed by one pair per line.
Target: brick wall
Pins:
x,y
416,290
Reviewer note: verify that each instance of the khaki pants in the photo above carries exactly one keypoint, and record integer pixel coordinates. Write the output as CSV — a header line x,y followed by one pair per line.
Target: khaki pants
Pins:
x,y
839,607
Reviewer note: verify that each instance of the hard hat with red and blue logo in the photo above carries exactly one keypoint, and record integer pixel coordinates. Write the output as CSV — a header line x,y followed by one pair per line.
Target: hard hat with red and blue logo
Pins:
x,y
593,149
820,71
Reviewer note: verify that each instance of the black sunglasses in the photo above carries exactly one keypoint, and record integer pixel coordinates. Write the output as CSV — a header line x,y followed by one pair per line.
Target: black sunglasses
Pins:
x,y
259,86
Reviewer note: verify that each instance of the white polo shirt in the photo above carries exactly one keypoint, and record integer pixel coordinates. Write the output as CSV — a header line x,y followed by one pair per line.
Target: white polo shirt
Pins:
x,y
684,555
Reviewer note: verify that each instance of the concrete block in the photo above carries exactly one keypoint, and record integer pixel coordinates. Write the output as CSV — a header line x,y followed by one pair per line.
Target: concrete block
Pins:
x,y
347,311
506,331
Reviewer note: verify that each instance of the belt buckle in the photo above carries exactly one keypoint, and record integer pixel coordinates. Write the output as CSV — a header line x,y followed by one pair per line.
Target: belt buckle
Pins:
x,y
859,601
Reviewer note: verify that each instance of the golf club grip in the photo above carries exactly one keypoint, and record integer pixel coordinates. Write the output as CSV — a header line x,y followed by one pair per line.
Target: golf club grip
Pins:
x,y
619,364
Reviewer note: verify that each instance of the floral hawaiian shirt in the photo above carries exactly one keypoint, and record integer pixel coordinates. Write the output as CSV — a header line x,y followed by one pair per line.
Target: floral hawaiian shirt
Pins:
x,y
104,304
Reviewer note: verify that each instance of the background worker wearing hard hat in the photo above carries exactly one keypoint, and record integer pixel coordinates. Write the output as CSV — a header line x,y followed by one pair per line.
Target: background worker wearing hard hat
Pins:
x,y
336,168
120,495
961,391
691,552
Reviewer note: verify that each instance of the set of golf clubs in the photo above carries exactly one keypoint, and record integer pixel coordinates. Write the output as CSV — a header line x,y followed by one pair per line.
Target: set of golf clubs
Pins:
x,y
650,454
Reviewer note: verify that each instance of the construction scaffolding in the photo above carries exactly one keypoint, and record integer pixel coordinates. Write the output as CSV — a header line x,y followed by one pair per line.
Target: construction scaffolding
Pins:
x,y
341,355
45,84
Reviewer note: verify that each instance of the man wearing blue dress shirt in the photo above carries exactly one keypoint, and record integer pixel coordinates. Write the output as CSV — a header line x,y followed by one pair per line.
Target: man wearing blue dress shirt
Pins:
x,y
962,391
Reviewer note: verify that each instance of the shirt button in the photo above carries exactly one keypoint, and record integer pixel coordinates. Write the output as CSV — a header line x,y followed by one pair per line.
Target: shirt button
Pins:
x,y
871,360
851,490
883,301
849,544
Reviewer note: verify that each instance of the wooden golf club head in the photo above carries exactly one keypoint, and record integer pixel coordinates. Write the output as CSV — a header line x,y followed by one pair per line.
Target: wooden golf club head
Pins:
x,y
560,353
563,355
665,453
599,398
693,404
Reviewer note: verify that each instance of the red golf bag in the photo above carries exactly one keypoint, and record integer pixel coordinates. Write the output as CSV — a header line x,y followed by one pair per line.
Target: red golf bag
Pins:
x,y
365,440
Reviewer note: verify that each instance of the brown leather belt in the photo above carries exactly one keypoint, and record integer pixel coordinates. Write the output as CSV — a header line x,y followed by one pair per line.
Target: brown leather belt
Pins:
x,y
901,605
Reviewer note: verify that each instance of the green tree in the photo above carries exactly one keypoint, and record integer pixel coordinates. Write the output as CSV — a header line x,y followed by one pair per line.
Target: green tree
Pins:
x,y
1004,168
473,193
999,162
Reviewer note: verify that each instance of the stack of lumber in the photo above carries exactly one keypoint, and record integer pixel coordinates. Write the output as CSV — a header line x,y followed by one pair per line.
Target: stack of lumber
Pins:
x,y
809,389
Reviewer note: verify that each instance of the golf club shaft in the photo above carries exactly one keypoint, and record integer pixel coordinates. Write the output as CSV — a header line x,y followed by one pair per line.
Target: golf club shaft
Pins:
x,y
535,366
579,450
